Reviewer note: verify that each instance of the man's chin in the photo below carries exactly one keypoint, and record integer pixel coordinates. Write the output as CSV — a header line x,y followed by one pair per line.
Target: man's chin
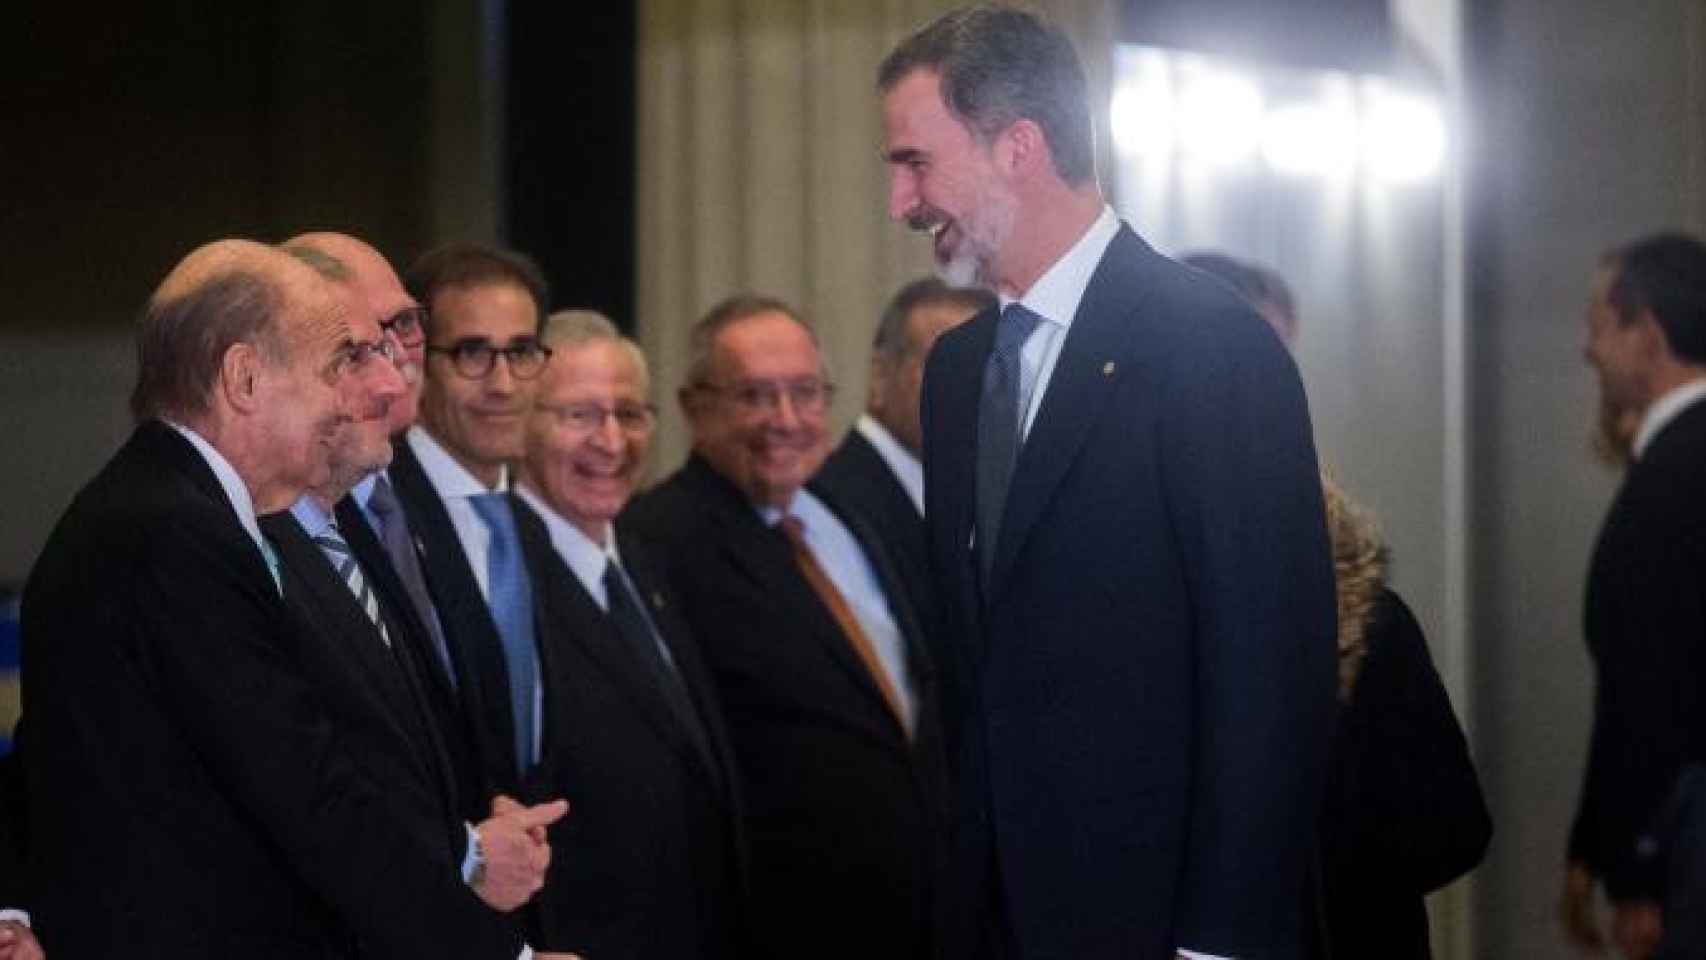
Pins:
x,y
959,270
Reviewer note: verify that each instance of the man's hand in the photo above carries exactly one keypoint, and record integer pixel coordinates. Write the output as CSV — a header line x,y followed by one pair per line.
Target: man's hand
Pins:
x,y
17,942
515,851
1575,909
502,804
1637,925
547,955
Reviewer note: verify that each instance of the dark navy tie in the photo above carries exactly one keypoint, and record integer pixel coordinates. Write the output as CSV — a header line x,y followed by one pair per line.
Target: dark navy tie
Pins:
x,y
400,549
510,596
998,420
628,616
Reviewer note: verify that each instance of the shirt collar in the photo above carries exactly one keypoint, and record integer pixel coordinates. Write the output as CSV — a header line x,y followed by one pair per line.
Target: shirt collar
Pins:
x,y
229,480
363,490
1667,408
585,557
314,520
449,478
902,463
1056,294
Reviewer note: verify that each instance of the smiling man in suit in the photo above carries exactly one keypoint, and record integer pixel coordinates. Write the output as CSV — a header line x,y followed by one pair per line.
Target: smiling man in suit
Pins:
x,y
1127,534
207,798
652,855
817,655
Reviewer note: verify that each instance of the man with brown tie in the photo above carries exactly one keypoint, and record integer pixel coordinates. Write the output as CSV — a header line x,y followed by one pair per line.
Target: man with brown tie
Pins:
x,y
819,659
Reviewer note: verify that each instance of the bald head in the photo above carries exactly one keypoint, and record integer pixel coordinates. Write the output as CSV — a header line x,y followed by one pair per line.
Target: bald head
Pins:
x,y
381,292
222,294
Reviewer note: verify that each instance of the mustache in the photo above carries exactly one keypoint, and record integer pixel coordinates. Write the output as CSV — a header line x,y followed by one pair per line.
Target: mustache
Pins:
x,y
925,218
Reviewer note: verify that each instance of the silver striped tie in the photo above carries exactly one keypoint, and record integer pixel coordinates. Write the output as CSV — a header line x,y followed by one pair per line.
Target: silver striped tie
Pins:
x,y
343,560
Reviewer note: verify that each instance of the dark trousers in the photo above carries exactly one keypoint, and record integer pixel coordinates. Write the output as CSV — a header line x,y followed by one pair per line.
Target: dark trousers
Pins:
x,y
1684,831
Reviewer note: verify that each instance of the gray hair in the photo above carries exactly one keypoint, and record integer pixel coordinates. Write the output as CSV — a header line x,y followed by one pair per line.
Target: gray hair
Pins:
x,y
891,343
570,329
726,314
998,65
181,341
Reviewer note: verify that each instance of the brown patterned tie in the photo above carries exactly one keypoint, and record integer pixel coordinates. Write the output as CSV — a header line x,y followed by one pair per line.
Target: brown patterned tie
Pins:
x,y
794,530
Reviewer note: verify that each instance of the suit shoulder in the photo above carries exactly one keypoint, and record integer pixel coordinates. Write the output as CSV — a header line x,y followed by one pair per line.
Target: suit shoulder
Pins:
x,y
667,513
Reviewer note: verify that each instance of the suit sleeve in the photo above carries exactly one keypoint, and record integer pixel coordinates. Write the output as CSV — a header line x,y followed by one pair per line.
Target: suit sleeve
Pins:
x,y
1244,496
224,660
1648,704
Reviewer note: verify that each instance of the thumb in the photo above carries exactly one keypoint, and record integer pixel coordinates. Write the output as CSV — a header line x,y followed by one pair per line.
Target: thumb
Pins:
x,y
542,815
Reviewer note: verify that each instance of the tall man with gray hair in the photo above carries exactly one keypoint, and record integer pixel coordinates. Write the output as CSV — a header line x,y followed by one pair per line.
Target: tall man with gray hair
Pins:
x,y
1126,530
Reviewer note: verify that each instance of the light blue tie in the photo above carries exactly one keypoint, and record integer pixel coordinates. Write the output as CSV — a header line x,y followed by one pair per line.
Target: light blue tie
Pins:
x,y
511,600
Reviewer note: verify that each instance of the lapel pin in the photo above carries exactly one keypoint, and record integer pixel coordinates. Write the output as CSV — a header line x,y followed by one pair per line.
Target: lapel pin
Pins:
x,y
1108,369
657,600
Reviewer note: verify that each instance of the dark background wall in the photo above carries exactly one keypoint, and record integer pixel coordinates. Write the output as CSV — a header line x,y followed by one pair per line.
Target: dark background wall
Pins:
x,y
135,132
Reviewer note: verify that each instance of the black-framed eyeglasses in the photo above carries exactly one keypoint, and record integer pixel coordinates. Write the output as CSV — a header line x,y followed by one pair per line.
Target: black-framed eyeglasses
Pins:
x,y
807,395
475,357
408,324
634,419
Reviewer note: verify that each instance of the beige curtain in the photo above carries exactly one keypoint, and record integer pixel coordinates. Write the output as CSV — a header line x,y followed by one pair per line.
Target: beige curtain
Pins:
x,y
759,169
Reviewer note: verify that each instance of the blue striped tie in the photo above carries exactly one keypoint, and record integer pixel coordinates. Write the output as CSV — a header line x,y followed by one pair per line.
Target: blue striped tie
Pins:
x,y
337,550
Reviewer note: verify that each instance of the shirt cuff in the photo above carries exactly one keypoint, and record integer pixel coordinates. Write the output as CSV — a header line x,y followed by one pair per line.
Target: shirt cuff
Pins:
x,y
471,856
525,954
20,916
1193,955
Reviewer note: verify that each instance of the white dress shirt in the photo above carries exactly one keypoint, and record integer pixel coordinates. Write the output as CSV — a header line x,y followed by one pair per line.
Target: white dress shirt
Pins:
x,y
902,463
1055,297
1665,409
843,560
231,483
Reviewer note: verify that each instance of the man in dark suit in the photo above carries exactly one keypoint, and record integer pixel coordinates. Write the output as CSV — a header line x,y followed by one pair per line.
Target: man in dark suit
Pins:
x,y
1126,529
818,658
651,858
1645,615
876,471
207,796
372,521
478,553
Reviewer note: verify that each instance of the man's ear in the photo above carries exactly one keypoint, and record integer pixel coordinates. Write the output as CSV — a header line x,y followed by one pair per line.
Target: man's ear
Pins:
x,y
239,377
1653,339
1021,150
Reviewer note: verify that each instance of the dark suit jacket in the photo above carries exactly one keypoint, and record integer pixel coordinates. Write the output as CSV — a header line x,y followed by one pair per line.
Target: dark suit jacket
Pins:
x,y
858,477
1645,621
379,687
842,811
1151,667
476,650
648,862
451,723
213,783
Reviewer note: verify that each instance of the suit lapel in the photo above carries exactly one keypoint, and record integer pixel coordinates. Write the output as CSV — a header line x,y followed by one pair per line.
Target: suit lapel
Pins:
x,y
1084,377
686,654
350,636
472,636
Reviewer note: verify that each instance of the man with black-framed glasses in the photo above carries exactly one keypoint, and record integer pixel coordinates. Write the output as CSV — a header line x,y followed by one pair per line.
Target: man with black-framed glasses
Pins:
x,y
480,358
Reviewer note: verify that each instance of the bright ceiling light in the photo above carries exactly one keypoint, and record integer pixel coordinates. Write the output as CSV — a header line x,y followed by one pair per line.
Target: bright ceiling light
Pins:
x,y
1219,115
1403,136
1311,139
1141,112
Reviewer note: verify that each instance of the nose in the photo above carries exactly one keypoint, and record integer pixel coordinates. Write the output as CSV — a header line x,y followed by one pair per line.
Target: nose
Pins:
x,y
607,435
903,193
501,379
388,381
786,415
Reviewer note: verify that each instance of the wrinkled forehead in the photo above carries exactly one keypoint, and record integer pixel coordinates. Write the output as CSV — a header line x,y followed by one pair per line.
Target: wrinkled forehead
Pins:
x,y
765,346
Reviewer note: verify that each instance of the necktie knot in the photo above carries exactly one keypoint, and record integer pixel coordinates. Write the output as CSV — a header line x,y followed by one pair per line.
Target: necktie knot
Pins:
x,y
792,528
1014,328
